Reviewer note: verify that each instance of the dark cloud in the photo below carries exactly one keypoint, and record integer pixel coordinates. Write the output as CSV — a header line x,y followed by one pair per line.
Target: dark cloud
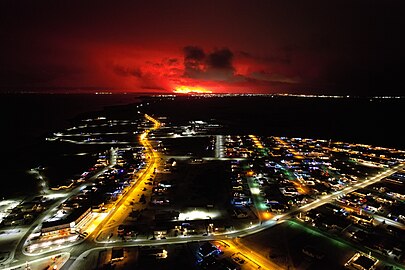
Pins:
x,y
221,59
193,53
194,60
216,65
144,78
172,61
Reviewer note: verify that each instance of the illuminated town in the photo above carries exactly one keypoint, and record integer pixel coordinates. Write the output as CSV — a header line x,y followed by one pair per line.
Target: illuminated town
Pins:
x,y
149,198
202,135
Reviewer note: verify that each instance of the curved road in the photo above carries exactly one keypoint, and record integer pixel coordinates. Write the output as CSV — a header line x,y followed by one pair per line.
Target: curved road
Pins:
x,y
79,251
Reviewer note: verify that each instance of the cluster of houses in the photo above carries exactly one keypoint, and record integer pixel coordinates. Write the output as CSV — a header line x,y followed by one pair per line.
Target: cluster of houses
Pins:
x,y
240,191
237,147
99,190
161,193
359,227
26,211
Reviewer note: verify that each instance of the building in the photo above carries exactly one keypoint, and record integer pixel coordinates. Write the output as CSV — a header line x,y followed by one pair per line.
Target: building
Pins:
x,y
289,191
278,208
160,232
117,254
152,252
241,201
362,219
361,261
67,224
239,213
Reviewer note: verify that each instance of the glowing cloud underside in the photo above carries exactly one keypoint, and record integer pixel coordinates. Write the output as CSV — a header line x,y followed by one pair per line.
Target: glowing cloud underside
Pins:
x,y
190,90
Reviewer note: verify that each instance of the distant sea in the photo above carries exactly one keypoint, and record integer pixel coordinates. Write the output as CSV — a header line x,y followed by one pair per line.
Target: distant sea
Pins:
x,y
26,119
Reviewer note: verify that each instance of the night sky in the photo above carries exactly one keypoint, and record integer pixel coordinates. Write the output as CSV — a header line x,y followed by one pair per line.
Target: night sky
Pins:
x,y
320,47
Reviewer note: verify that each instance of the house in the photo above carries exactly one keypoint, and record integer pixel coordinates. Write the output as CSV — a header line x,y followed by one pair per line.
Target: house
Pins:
x,y
361,219
241,201
278,208
165,184
361,262
160,232
67,224
311,215
333,222
160,200
239,213
289,191
152,253
117,254
372,206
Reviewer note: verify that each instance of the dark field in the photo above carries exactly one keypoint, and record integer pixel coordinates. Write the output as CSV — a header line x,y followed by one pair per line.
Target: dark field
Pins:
x,y
358,120
198,147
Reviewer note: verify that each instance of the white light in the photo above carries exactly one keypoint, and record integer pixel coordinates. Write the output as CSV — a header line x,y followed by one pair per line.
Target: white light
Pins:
x,y
59,241
55,196
198,214
46,244
10,202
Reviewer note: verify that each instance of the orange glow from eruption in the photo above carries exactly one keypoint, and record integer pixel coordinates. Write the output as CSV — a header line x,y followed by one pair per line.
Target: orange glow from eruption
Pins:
x,y
191,90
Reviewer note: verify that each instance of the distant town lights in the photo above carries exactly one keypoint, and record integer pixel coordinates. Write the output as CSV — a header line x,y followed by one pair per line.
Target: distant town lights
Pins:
x,y
191,90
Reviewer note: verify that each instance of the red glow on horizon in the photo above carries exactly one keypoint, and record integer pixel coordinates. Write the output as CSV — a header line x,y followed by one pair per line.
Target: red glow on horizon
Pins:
x,y
191,90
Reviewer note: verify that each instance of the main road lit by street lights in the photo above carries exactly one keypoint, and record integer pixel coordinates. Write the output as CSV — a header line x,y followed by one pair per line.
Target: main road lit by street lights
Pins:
x,y
118,212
